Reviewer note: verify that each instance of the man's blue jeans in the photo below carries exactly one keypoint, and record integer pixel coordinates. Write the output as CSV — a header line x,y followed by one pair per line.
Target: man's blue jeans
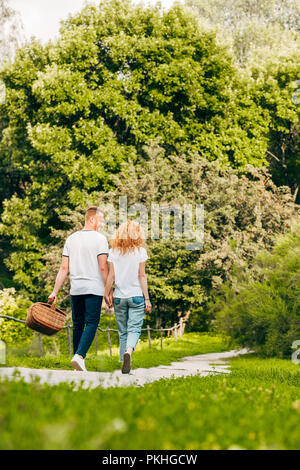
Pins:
x,y
86,316
130,315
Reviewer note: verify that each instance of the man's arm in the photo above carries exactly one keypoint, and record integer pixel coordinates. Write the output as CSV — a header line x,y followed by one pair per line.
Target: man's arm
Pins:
x,y
103,266
60,278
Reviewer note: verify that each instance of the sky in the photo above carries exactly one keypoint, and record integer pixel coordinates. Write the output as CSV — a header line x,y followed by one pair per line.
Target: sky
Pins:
x,y
41,17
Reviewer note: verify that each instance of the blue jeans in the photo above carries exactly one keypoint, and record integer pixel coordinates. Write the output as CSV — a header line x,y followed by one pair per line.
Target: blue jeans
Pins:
x,y
130,315
85,315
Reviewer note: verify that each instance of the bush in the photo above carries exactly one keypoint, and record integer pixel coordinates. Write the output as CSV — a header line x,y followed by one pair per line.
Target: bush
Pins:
x,y
13,305
262,309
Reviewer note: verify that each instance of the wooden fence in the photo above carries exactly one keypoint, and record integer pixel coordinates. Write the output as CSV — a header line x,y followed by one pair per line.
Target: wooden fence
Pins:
x,y
177,331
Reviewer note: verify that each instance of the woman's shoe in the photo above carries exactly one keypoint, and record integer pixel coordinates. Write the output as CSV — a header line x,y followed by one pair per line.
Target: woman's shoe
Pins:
x,y
126,363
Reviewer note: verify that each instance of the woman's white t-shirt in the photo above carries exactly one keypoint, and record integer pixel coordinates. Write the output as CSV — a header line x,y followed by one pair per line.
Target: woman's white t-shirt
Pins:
x,y
126,269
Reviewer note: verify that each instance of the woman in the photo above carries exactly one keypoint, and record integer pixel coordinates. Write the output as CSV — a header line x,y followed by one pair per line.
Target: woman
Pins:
x,y
127,259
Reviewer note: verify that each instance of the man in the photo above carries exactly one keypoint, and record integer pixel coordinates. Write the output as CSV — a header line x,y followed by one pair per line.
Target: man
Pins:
x,y
85,257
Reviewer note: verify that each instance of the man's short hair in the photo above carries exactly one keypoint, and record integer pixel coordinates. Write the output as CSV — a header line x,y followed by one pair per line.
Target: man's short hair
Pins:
x,y
92,212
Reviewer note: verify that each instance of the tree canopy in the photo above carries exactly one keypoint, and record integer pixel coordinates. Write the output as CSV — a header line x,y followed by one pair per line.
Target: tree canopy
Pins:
x,y
81,112
264,37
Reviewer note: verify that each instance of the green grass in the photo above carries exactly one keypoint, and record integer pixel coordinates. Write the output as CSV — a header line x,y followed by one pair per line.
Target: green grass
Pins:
x,y
189,344
257,406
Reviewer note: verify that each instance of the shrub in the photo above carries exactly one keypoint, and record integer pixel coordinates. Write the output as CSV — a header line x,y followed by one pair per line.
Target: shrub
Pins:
x,y
13,305
261,309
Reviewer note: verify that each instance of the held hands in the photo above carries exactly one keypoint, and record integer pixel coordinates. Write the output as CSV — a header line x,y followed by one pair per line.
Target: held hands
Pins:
x,y
109,302
109,299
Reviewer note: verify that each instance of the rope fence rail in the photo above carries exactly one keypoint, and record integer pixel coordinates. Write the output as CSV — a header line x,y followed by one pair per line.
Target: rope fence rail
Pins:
x,y
176,329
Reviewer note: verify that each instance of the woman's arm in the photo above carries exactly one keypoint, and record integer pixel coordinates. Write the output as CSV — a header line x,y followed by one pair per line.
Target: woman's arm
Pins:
x,y
108,285
144,285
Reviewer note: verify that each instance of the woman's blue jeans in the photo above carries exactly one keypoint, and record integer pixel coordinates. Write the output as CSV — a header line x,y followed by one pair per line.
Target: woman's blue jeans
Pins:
x,y
130,315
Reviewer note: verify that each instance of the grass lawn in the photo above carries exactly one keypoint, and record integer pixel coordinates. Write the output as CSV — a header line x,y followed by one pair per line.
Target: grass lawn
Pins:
x,y
257,406
189,344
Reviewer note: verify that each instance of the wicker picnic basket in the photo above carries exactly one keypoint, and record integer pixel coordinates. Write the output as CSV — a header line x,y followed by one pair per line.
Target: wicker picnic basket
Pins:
x,y
45,318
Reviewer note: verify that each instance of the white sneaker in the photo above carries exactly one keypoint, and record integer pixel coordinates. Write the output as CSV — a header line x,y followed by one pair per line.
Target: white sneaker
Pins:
x,y
78,363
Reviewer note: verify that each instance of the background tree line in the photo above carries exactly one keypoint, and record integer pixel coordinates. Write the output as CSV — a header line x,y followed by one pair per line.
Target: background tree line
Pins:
x,y
161,106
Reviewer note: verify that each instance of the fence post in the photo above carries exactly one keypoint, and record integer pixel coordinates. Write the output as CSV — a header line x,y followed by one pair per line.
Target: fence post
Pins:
x,y
149,336
69,341
40,344
96,342
175,332
2,352
181,327
109,342
161,338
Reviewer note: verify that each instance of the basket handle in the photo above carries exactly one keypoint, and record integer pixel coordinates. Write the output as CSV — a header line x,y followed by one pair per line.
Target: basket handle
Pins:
x,y
53,305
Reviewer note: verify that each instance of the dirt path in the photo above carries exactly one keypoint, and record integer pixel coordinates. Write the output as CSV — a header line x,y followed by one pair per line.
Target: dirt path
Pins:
x,y
203,364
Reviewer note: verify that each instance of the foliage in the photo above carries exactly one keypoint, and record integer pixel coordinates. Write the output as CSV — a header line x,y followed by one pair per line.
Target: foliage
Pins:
x,y
118,77
273,88
81,113
242,214
251,26
262,310
13,305
21,225
264,36
219,411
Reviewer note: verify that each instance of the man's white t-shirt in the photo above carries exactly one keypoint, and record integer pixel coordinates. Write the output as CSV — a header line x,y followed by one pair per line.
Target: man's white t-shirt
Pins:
x,y
83,248
126,269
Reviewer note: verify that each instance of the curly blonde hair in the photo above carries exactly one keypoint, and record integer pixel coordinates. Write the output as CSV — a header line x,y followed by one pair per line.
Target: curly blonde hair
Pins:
x,y
129,236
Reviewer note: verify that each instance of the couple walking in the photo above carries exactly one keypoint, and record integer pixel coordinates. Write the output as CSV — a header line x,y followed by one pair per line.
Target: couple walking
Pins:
x,y
94,271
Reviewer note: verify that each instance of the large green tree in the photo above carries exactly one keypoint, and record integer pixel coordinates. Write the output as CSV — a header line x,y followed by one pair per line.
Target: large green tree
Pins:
x,y
11,36
265,39
274,88
118,76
